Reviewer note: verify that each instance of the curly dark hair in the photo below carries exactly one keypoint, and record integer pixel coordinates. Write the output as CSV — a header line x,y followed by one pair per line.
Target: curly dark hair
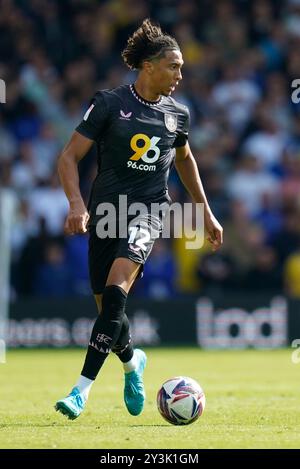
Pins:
x,y
148,42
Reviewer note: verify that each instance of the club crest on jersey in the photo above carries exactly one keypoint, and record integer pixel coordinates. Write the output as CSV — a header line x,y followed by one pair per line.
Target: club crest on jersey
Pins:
x,y
171,122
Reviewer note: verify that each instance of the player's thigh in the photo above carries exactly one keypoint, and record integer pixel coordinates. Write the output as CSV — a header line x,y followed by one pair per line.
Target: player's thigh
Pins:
x,y
123,273
133,252
102,253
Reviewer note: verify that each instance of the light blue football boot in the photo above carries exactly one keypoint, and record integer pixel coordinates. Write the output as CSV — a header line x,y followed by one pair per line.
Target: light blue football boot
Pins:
x,y
134,392
72,405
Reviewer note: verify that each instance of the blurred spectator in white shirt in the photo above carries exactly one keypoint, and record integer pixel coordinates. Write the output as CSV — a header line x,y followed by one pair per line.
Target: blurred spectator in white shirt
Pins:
x,y
50,203
248,184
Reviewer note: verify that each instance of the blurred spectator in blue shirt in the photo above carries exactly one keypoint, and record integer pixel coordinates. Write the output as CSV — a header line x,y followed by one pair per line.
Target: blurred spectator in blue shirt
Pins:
x,y
159,272
53,275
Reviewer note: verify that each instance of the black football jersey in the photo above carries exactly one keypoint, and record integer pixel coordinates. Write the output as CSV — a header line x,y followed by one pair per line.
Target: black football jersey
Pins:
x,y
136,142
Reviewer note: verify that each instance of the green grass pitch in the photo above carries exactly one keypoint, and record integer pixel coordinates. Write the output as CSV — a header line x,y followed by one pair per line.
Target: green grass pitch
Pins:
x,y
252,401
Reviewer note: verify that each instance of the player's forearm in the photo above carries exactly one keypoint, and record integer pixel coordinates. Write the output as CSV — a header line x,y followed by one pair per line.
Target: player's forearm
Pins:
x,y
69,177
189,175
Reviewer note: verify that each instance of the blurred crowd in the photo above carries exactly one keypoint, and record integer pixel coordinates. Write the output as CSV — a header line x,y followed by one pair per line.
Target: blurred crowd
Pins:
x,y
241,58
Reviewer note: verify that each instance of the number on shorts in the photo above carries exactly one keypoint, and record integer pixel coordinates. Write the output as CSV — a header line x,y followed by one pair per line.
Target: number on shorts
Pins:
x,y
142,239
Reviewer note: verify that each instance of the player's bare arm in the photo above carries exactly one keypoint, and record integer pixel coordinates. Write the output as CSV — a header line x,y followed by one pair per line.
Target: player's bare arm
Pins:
x,y
188,171
73,152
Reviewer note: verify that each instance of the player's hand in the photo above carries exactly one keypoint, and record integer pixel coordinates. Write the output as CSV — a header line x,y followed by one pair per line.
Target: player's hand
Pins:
x,y
77,219
214,230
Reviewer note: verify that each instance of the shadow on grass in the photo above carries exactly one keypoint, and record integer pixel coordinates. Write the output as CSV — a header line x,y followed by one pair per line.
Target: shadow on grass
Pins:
x,y
150,425
67,424
40,425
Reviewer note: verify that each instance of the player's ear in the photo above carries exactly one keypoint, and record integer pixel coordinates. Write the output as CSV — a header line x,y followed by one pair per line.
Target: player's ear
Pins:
x,y
148,67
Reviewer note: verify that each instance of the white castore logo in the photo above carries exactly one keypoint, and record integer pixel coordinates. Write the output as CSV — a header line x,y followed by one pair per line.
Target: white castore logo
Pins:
x,y
125,116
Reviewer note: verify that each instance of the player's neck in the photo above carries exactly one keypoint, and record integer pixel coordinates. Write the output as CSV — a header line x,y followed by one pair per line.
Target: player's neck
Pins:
x,y
145,91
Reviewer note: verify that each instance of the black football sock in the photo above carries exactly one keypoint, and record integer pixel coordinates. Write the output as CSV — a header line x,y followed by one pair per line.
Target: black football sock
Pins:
x,y
124,348
106,330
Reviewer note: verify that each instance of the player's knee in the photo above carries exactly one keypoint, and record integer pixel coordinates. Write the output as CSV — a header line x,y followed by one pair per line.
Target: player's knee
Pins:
x,y
113,302
124,339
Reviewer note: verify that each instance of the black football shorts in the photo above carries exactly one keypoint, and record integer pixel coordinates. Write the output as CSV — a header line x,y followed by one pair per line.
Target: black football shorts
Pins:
x,y
140,237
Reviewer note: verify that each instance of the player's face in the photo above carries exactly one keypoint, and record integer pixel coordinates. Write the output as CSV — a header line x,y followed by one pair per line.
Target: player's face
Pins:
x,y
166,73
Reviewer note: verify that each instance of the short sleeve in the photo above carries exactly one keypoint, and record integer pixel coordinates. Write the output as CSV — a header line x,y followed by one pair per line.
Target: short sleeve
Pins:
x,y
95,118
183,129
